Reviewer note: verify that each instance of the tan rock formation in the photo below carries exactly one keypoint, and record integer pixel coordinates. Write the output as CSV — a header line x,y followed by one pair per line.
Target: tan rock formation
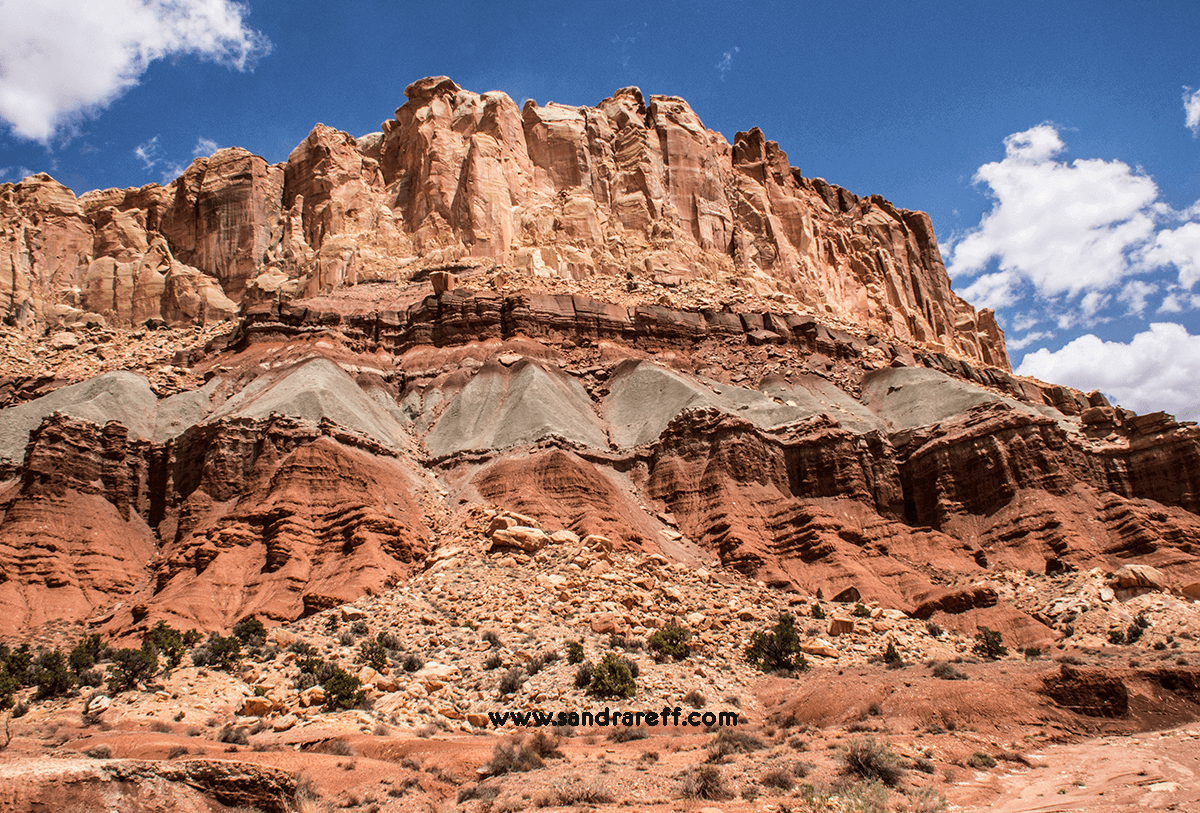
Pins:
x,y
633,188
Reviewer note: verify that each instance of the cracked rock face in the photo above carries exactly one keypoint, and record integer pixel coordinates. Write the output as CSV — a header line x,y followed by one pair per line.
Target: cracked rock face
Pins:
x,y
633,189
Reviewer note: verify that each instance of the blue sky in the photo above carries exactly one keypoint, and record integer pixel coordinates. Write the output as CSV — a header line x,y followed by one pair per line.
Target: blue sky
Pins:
x,y
1048,141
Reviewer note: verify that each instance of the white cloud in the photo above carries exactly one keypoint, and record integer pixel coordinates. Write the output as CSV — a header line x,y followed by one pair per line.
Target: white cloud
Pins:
x,y
1067,228
1027,339
1191,106
14,174
726,63
1135,294
63,59
1178,303
204,147
1156,370
148,153
1178,247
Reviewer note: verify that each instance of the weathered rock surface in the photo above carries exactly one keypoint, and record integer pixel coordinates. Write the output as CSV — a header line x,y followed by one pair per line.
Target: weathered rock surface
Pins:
x,y
633,188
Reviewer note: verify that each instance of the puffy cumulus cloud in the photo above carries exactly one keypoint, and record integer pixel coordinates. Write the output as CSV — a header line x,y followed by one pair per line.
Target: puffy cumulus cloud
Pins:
x,y
1156,370
1178,247
63,59
1066,228
1191,107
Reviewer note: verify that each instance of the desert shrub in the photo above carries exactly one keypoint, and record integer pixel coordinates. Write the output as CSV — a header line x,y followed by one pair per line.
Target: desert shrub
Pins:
x,y
981,760
947,671
513,680
861,611
250,631
513,757
924,765
583,675
167,642
778,648
669,642
704,782
892,656
346,638
621,642
612,678
337,747
224,653
1116,636
545,745
360,628
9,686
413,663
232,736
91,678
574,652
933,629
99,752
817,611
373,654
869,759
925,800
51,675
777,778
630,664
18,663
177,751
695,699
85,654
1135,630
627,734
738,741
988,644
576,791
493,661
131,667
492,639
342,690
1033,652
484,793
534,665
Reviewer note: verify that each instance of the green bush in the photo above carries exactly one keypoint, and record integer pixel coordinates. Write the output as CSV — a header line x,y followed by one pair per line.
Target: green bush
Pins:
x,y
373,654
342,690
892,656
817,611
19,663
583,675
778,648
669,642
167,642
51,675
9,686
131,667
574,652
225,653
612,678
988,644
85,654
250,631
861,611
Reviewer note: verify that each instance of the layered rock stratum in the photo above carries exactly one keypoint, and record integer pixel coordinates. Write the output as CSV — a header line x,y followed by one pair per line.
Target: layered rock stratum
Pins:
x,y
607,319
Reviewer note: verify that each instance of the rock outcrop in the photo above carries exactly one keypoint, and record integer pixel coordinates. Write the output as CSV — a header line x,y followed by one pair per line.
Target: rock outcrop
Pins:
x,y
634,189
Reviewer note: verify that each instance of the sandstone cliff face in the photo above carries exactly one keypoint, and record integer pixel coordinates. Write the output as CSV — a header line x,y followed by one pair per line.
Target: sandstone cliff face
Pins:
x,y
633,188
